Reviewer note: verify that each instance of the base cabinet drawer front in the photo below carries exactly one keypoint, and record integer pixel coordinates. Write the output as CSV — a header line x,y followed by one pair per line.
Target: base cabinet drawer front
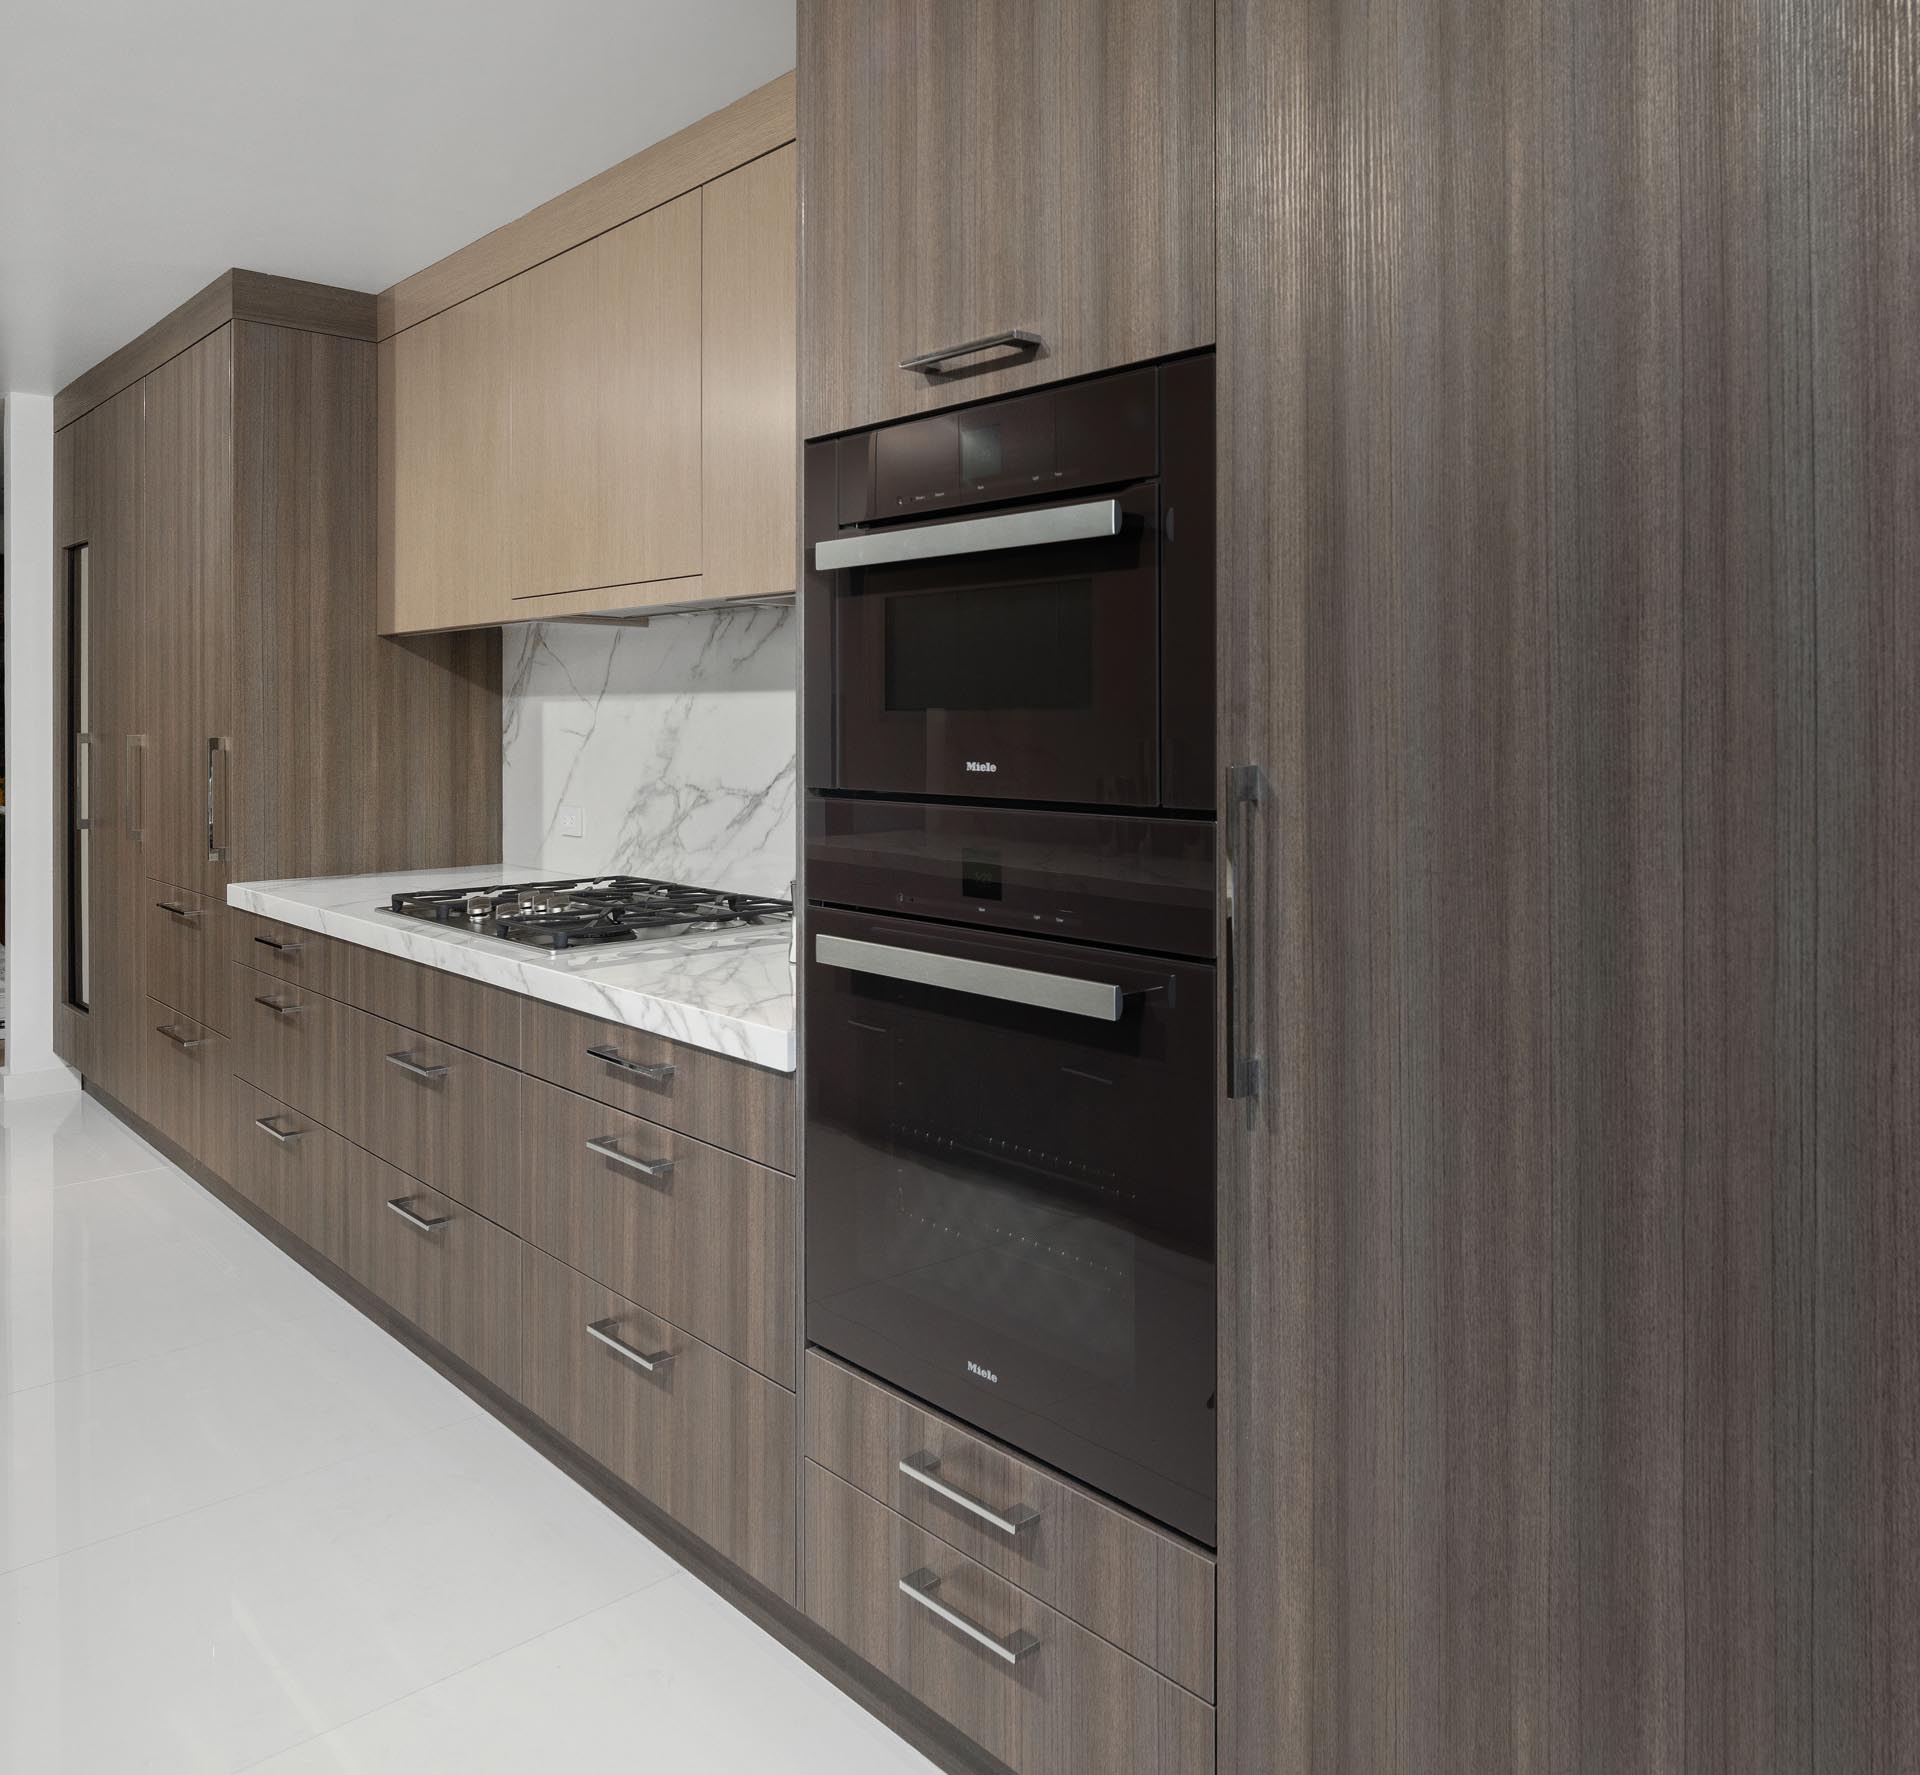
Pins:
x,y
708,1441
289,953
1149,1592
1032,1688
291,1167
187,954
700,1236
186,1084
296,1044
448,1007
728,1103
453,1273
443,1115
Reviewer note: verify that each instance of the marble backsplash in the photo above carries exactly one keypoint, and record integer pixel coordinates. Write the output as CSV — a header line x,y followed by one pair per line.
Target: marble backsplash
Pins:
x,y
676,743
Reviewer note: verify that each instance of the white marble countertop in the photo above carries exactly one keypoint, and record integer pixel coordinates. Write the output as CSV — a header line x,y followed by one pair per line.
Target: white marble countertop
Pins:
x,y
726,991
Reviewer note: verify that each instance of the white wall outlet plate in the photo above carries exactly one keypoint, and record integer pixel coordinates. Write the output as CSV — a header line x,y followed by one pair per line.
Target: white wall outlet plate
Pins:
x,y
573,822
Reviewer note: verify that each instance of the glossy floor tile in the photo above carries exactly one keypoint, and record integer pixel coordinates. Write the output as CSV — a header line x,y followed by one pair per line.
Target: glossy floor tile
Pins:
x,y
242,1528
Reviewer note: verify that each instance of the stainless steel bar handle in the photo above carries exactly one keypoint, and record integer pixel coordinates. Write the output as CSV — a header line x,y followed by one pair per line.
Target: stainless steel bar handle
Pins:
x,y
408,1064
83,811
1247,792
924,1468
216,826
604,1145
923,1587
277,1003
1098,999
1014,339
179,1037
419,1222
612,1056
286,1136
136,793
279,947
184,914
1090,520
602,1331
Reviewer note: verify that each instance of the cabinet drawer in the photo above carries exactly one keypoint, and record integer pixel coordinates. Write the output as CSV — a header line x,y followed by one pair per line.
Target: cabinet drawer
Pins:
x,y
1147,1591
187,954
728,1103
454,1274
296,1044
290,953
468,1013
707,1440
1042,1694
185,1083
700,1236
293,1169
441,1114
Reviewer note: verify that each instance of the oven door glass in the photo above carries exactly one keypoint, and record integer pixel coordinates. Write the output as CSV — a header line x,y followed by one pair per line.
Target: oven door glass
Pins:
x,y
1010,1193
1022,674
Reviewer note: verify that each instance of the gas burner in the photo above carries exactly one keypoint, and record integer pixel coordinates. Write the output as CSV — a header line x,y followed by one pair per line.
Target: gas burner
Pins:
x,y
604,909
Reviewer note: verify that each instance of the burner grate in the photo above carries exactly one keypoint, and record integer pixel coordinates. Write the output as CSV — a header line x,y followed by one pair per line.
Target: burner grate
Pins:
x,y
603,909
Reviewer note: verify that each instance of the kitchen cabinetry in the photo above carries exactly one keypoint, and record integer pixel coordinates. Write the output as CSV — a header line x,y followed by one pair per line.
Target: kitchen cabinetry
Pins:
x,y
1041,168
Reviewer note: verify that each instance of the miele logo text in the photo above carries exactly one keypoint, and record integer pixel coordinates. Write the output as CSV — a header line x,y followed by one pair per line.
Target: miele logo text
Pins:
x,y
974,764
985,1374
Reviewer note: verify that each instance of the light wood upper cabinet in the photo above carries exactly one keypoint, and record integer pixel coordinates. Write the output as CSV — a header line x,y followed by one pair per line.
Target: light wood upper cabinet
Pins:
x,y
1040,165
604,385
750,436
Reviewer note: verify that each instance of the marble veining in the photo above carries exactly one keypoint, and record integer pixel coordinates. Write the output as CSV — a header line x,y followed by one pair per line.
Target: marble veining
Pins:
x,y
730,992
676,742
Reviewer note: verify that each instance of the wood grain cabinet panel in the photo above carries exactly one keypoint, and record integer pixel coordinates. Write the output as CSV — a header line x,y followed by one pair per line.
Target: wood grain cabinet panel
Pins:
x,y
187,954
728,1103
465,1012
1071,1704
604,378
695,1234
288,952
1148,1592
292,1168
187,1085
707,1440
965,170
298,1045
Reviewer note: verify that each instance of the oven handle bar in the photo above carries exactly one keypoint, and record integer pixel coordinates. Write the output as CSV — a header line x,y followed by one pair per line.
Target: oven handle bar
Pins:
x,y
1099,999
1090,520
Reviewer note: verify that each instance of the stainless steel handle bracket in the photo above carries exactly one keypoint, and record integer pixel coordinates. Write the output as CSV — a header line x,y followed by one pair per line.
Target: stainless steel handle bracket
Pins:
x,y
278,946
217,749
286,1136
179,1037
182,914
1248,790
1015,341
408,1064
1098,999
924,1469
602,1330
135,793
606,1147
613,1057
923,1588
1088,520
279,1006
401,1205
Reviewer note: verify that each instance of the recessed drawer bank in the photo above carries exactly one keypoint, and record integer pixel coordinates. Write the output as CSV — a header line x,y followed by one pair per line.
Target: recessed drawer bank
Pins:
x,y
187,953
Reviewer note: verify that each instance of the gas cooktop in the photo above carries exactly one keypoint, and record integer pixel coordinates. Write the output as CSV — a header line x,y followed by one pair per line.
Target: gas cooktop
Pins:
x,y
605,909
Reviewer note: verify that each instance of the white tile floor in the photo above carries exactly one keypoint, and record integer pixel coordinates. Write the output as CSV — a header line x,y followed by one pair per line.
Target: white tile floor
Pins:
x,y
242,1529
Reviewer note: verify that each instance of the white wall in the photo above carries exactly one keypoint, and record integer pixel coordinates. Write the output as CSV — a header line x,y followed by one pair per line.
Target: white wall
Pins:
x,y
26,458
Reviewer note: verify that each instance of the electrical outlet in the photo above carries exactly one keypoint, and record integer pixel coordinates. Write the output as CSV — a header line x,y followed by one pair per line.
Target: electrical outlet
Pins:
x,y
573,823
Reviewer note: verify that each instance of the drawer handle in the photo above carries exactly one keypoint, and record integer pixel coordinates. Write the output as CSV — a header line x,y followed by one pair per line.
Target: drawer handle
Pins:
x,y
924,1469
613,1057
185,914
278,1005
602,1330
419,1222
179,1037
286,1136
1016,340
408,1064
604,1145
278,947
922,1586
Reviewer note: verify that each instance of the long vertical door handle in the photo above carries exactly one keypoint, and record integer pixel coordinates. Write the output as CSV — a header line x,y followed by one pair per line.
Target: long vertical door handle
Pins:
x,y
136,789
217,750
1247,792
83,798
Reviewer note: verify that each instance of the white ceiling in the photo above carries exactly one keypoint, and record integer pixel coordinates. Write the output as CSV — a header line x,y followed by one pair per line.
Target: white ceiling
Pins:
x,y
147,145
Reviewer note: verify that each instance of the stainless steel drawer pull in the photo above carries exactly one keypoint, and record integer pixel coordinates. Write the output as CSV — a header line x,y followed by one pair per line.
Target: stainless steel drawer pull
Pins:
x,y
613,1057
279,947
419,1222
179,1037
286,1136
602,1330
922,1587
924,1469
604,1145
1014,339
1092,520
185,914
280,1007
983,979
408,1064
